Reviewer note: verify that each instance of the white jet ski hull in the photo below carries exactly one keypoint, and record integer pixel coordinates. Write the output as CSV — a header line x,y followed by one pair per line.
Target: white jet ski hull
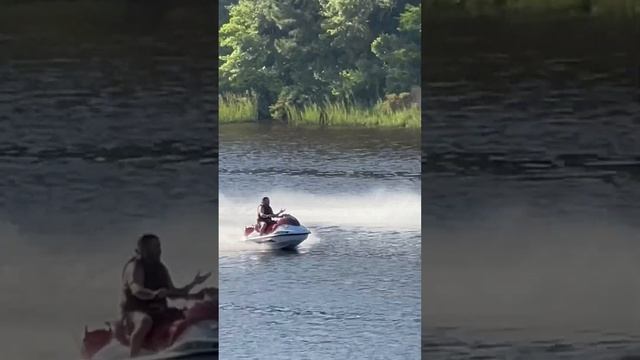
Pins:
x,y
284,237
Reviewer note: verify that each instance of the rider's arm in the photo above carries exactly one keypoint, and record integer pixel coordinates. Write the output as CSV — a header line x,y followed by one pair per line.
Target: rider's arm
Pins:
x,y
135,278
178,293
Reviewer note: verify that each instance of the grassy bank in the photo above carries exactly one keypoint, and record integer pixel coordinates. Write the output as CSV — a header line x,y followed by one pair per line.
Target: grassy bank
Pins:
x,y
337,115
244,109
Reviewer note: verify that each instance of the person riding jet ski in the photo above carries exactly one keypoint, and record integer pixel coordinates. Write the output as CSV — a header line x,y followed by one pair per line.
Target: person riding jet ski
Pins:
x,y
147,285
266,215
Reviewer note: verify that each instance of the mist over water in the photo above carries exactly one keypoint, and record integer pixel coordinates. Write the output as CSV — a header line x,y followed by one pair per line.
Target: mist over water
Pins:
x,y
559,272
381,210
510,284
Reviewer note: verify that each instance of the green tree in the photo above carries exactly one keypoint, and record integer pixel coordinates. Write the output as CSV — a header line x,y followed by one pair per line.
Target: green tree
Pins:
x,y
400,52
246,54
296,52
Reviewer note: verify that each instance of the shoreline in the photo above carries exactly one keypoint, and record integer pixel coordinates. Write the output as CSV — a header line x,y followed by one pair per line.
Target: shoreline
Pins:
x,y
385,114
400,120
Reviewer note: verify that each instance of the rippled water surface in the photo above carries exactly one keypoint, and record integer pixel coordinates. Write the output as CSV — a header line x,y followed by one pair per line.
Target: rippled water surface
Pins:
x,y
352,290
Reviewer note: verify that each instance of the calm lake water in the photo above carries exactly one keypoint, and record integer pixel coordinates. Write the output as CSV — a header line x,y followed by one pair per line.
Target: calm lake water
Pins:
x,y
531,191
352,290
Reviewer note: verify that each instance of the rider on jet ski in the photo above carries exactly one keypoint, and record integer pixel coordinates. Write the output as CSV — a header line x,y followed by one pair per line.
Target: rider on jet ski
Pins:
x,y
265,215
146,287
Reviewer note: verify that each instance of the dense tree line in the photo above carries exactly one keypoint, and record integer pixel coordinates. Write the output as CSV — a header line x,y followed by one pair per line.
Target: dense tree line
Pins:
x,y
297,52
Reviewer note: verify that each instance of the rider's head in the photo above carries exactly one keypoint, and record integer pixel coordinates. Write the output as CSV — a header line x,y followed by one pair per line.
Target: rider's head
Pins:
x,y
149,247
265,200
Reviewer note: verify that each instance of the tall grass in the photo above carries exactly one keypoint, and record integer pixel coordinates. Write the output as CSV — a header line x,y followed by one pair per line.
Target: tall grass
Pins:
x,y
237,108
244,108
345,115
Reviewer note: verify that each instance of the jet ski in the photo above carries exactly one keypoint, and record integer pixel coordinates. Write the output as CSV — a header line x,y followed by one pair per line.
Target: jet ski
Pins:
x,y
285,233
193,337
